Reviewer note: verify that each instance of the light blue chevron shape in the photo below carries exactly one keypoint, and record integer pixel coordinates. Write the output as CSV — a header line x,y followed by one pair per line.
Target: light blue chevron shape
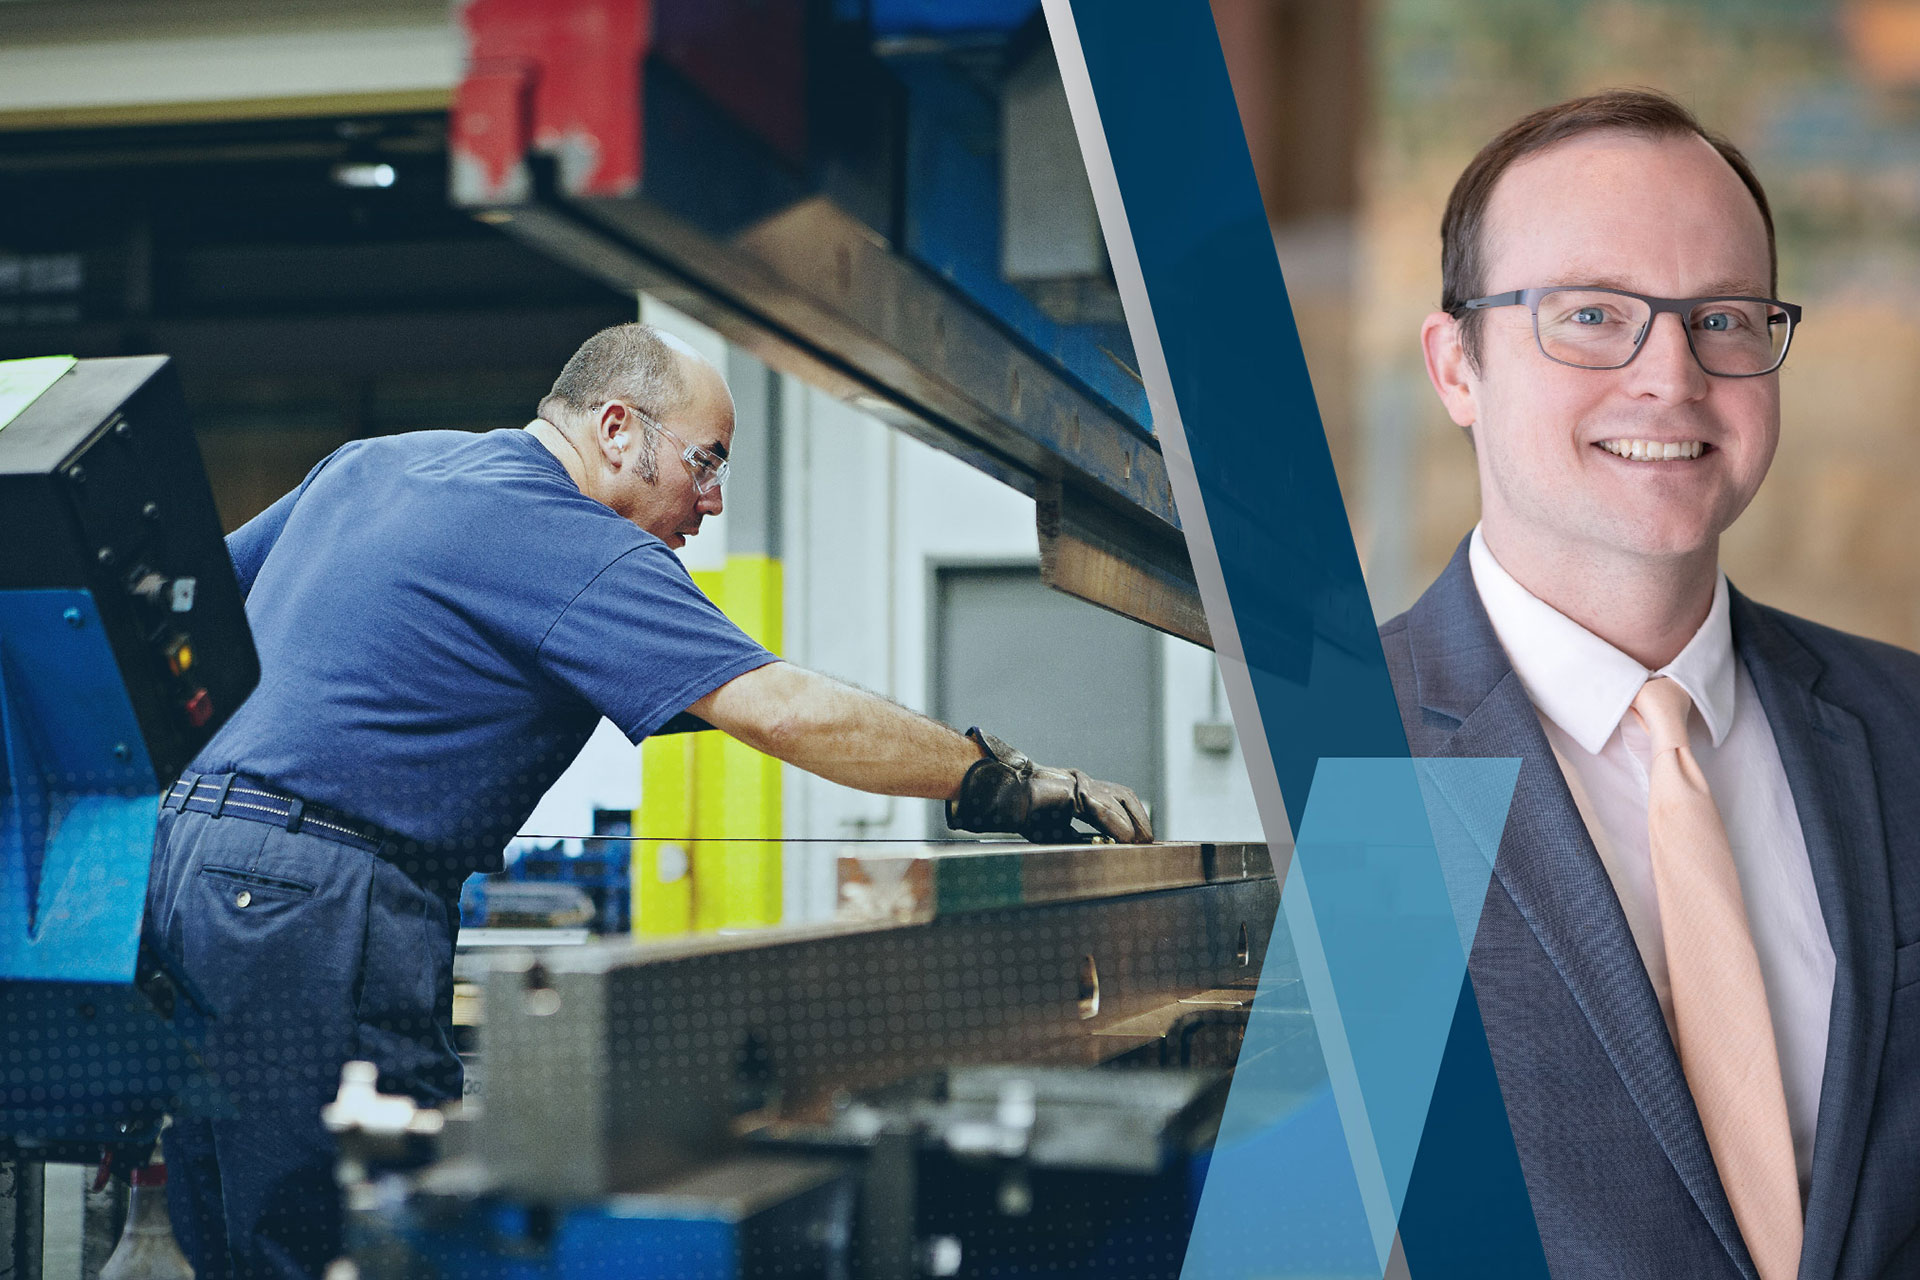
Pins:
x,y
1382,900
1346,1033
1329,1101
1467,802
1280,1198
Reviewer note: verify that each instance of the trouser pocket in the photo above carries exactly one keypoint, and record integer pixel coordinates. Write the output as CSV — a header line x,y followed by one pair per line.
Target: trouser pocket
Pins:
x,y
269,929
404,1013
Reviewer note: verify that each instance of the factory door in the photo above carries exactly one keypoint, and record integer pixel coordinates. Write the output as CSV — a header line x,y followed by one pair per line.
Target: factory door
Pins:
x,y
1067,683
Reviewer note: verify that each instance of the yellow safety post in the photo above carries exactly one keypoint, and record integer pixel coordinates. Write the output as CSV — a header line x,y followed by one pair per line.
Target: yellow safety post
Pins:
x,y
662,880
721,794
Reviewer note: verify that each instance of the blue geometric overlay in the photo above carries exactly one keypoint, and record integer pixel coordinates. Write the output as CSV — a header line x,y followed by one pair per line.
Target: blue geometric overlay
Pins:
x,y
1355,1017
1252,426
1392,857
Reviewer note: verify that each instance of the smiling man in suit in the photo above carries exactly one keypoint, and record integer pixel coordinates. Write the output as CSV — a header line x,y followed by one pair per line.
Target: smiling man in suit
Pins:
x,y
1699,959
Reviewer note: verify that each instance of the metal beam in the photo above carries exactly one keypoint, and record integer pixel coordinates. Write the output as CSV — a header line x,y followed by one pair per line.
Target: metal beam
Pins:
x,y
713,216
607,1066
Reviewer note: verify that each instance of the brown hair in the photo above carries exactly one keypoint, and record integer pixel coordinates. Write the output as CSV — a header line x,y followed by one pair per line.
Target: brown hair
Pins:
x,y
1646,112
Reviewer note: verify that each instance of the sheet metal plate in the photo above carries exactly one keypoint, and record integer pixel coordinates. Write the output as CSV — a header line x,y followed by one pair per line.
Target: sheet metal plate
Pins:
x,y
920,883
609,1065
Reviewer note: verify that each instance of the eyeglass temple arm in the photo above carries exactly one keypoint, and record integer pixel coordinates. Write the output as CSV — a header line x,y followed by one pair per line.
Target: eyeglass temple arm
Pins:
x,y
1512,298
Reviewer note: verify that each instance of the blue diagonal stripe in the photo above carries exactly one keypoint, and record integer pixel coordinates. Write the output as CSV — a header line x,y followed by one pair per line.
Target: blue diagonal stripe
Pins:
x,y
1380,906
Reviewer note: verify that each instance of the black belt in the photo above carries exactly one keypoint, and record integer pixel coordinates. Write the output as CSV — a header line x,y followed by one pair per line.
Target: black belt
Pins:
x,y
234,795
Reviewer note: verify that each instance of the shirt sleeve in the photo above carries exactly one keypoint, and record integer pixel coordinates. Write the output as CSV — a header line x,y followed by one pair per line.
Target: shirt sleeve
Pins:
x,y
249,544
640,643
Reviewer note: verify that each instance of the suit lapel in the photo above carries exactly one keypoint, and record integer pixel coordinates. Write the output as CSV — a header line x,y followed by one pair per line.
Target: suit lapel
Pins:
x,y
1548,865
1823,748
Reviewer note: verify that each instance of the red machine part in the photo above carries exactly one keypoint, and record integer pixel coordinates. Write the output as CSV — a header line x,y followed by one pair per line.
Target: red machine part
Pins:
x,y
559,76
564,77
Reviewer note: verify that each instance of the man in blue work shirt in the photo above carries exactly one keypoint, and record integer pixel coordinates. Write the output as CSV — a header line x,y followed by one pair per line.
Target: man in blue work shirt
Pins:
x,y
442,619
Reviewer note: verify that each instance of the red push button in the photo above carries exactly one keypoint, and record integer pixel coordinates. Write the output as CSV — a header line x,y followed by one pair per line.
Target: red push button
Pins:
x,y
199,708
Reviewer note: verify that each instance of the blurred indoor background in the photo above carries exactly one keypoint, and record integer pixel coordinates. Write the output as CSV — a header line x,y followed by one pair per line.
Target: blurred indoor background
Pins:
x,y
1360,116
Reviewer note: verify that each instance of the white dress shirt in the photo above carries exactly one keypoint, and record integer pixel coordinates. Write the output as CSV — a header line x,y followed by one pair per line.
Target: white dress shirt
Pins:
x,y
1582,688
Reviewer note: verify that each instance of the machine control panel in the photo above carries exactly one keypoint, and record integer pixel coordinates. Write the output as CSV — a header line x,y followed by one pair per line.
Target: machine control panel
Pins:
x,y
102,489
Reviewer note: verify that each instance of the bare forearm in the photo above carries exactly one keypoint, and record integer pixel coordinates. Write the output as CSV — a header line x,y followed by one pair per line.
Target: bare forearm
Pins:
x,y
841,733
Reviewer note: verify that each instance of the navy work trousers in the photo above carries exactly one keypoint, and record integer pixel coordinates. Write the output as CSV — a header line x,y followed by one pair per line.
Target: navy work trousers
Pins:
x,y
309,953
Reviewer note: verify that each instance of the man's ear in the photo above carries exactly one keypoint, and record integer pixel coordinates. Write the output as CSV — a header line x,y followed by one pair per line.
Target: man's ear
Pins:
x,y
610,427
1449,369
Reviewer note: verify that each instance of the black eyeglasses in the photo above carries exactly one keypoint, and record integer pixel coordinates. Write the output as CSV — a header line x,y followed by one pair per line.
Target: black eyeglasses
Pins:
x,y
1594,328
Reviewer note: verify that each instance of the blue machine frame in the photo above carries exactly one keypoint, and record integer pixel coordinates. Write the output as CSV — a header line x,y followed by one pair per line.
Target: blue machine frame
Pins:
x,y
76,828
111,1044
111,551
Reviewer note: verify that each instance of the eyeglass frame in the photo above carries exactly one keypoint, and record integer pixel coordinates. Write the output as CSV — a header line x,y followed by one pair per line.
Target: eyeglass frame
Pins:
x,y
693,455
1679,307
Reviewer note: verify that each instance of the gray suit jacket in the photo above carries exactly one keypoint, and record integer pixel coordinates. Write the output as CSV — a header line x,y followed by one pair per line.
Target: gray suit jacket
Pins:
x,y
1616,1164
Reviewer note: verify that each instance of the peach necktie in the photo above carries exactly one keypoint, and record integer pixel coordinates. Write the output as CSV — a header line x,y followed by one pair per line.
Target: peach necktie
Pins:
x,y
1721,1024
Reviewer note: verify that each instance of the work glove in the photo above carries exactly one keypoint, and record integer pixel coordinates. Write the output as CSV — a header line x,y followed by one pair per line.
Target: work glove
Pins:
x,y
1005,791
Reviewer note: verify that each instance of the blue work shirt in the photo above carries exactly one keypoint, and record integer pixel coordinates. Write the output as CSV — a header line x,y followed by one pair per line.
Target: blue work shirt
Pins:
x,y
442,619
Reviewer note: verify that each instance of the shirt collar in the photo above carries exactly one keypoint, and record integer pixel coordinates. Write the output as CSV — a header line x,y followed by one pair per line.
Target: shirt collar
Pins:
x,y
1582,683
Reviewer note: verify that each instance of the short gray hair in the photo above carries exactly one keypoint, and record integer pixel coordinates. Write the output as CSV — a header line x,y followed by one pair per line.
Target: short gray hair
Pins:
x,y
627,362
